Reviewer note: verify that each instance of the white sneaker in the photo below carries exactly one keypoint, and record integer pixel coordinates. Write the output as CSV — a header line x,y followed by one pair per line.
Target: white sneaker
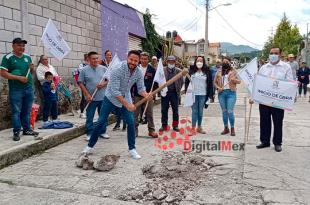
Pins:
x,y
133,153
83,115
87,138
87,150
105,136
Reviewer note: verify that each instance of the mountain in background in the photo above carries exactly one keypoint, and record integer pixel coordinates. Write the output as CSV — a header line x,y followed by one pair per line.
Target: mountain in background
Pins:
x,y
232,49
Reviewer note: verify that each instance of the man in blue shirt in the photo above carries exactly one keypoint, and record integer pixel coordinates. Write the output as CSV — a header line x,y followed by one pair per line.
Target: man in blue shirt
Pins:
x,y
117,96
89,80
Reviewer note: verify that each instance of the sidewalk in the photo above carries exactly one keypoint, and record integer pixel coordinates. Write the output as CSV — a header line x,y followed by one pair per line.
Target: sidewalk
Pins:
x,y
12,152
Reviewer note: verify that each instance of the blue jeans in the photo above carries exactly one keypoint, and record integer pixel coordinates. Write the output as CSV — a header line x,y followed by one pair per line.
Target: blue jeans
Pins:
x,y
101,124
228,100
197,109
21,100
90,113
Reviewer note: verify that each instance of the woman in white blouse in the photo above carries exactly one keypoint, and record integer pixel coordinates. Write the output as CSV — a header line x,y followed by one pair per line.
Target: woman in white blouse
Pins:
x,y
201,80
43,67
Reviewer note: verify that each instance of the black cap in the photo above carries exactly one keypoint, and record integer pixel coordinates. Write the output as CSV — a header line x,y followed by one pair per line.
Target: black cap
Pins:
x,y
19,40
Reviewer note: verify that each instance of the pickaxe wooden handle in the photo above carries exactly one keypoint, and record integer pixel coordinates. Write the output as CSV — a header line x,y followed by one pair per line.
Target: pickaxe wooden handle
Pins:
x,y
169,82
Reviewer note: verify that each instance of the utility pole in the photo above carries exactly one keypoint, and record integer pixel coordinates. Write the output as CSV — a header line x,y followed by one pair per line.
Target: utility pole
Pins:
x,y
206,45
306,46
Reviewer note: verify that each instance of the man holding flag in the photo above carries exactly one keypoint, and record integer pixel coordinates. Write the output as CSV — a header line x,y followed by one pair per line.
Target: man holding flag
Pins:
x,y
17,68
149,74
279,70
90,79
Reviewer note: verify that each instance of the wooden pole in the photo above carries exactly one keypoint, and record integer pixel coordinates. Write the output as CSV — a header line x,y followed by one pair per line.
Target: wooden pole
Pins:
x,y
169,82
248,126
147,103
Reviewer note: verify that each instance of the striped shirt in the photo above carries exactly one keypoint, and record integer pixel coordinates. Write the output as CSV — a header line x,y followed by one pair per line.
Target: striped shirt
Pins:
x,y
121,82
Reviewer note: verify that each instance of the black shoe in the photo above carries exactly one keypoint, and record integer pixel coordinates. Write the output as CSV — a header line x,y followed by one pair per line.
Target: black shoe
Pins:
x,y
124,128
30,132
144,122
16,136
262,145
278,148
176,129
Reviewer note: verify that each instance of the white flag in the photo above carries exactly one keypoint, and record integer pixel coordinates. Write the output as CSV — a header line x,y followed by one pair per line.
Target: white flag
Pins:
x,y
189,99
160,77
54,42
247,74
115,61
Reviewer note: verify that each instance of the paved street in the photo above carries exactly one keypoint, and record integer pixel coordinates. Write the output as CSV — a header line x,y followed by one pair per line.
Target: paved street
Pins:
x,y
225,177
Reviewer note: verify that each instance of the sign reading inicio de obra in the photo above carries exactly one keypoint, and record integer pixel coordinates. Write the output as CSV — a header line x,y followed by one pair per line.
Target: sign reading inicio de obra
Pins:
x,y
274,92
54,42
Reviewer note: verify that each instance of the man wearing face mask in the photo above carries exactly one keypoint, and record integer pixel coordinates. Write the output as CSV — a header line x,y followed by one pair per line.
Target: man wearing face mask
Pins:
x,y
280,70
172,97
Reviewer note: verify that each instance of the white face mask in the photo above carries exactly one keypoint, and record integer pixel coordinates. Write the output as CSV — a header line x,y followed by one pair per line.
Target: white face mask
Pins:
x,y
199,65
171,65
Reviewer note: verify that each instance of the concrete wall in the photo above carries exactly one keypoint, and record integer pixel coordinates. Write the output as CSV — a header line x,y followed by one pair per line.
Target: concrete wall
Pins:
x,y
79,21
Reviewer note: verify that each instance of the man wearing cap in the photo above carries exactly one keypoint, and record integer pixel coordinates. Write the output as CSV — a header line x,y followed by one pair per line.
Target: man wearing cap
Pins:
x,y
294,65
17,68
172,96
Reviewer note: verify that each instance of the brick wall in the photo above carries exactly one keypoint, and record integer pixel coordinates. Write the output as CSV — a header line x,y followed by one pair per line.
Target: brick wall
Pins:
x,y
79,22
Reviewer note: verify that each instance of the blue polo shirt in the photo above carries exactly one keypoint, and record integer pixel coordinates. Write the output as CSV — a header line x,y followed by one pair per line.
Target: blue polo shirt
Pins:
x,y
91,77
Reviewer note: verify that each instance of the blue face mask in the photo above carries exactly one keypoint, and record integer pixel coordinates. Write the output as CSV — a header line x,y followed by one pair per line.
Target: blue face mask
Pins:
x,y
273,58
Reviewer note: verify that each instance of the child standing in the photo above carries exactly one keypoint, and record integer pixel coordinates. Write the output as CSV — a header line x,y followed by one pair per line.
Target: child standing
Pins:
x,y
50,98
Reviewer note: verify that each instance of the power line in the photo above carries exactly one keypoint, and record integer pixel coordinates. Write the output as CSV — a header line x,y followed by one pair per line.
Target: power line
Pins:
x,y
235,30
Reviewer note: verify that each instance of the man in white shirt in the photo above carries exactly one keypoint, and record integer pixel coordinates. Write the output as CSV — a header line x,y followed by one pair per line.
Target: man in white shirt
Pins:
x,y
281,70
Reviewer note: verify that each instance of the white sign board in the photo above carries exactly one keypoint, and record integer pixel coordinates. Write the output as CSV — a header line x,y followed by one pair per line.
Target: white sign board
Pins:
x,y
274,92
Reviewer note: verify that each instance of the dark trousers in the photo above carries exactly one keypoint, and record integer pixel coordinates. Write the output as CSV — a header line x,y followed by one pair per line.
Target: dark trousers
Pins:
x,y
172,99
101,125
50,107
83,103
265,113
303,86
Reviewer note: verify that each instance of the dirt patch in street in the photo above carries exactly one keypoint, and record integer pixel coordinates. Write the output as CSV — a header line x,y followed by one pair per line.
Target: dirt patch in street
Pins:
x,y
170,179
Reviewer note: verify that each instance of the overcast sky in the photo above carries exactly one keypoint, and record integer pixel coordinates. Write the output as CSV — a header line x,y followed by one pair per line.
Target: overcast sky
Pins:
x,y
252,19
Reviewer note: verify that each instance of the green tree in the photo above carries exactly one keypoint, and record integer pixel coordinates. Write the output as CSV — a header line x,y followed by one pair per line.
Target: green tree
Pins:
x,y
287,37
268,45
152,41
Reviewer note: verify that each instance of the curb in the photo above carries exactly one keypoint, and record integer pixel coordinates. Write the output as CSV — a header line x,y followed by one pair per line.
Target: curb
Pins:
x,y
24,151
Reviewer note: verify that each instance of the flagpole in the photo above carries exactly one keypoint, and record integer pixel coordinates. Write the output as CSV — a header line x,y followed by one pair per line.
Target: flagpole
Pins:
x,y
249,122
147,103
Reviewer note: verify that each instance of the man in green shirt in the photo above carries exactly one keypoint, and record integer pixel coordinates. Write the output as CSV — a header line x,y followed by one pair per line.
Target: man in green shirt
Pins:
x,y
17,68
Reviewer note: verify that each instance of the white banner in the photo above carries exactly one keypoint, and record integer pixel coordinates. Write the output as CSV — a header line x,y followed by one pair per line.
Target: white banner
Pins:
x,y
54,42
189,99
247,74
274,92
160,77
115,61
